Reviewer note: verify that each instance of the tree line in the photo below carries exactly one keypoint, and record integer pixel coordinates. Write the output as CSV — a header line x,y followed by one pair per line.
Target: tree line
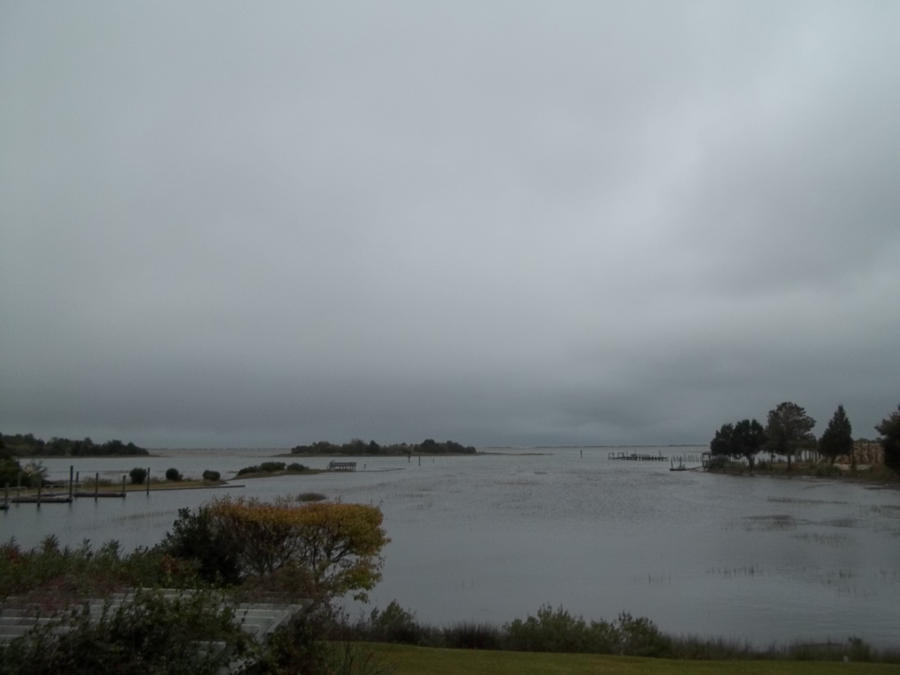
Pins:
x,y
360,448
788,431
28,444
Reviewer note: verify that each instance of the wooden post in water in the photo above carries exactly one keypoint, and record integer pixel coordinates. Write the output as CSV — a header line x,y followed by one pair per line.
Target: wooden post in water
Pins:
x,y
40,486
96,485
420,460
123,484
148,481
71,470
78,479
18,484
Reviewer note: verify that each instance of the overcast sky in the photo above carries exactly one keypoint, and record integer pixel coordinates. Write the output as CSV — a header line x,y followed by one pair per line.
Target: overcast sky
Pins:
x,y
228,224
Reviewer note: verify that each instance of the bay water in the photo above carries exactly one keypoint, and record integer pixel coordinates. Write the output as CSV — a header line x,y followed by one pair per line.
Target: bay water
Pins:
x,y
492,537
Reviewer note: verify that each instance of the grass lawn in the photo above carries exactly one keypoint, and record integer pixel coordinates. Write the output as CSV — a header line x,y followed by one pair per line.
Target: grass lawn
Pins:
x,y
406,660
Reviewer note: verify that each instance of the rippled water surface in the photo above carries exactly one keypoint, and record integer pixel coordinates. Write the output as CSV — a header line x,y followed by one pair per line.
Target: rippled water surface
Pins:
x,y
492,537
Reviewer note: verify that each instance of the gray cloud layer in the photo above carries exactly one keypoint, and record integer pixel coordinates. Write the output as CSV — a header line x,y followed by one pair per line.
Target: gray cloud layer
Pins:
x,y
495,222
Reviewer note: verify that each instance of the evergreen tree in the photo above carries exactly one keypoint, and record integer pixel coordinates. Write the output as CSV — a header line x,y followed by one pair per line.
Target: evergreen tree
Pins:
x,y
890,439
722,443
837,439
788,429
747,440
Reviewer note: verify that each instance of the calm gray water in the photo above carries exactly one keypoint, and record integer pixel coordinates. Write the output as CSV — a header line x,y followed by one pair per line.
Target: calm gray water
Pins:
x,y
492,537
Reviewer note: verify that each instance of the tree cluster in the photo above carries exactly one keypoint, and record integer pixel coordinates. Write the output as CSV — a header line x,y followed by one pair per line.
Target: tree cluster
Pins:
x,y
359,448
789,429
29,445
742,439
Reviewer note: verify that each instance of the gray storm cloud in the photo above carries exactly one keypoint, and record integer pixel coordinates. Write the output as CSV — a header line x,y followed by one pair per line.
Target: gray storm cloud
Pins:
x,y
496,222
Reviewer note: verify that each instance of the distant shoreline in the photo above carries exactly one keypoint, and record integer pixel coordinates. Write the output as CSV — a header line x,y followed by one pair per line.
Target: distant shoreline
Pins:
x,y
384,454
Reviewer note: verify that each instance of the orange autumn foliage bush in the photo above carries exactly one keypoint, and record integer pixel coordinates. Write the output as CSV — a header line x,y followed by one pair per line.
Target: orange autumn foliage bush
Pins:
x,y
317,551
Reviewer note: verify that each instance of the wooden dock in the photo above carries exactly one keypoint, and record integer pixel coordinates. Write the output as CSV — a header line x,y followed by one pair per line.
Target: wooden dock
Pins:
x,y
42,499
636,457
99,495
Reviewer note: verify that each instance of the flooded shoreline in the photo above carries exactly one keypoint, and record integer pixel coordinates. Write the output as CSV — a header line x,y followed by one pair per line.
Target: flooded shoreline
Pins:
x,y
492,537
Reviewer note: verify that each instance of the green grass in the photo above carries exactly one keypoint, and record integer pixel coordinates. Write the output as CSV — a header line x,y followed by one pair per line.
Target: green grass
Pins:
x,y
407,660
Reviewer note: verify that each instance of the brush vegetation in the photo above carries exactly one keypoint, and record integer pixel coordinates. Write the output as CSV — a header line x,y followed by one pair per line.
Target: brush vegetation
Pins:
x,y
268,469
559,631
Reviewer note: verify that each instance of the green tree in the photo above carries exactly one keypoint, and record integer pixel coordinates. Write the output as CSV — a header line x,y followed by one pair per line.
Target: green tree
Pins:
x,y
747,440
889,428
9,470
837,439
789,428
722,442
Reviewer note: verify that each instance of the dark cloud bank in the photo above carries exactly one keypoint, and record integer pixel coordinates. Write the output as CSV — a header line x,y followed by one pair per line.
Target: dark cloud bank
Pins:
x,y
508,222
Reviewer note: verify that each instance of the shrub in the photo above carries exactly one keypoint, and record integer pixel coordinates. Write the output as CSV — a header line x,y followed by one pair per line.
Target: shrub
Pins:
x,y
138,475
310,497
172,474
63,572
640,637
558,631
199,537
297,467
317,551
147,632
211,475
394,624
550,631
265,467
298,646
826,471
31,475
473,636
